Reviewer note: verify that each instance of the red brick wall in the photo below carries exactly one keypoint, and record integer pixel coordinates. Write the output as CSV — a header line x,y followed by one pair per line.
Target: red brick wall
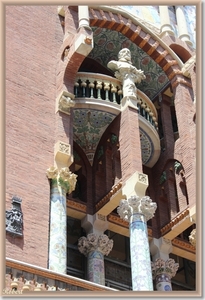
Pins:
x,y
33,39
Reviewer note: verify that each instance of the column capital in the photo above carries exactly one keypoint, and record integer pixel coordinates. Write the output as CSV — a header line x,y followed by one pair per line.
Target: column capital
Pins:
x,y
62,177
192,237
94,242
168,267
134,205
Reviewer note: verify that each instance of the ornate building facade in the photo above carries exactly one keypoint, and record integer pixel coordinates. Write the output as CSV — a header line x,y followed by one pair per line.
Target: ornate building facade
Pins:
x,y
100,148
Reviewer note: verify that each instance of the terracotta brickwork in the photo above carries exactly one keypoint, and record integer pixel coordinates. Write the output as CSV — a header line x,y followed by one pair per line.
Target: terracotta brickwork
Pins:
x,y
32,43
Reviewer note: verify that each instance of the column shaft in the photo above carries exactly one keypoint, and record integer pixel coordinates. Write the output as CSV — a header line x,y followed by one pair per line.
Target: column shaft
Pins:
x,y
58,236
140,254
95,263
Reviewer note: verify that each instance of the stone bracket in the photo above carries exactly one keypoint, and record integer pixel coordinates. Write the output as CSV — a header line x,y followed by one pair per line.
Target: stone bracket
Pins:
x,y
62,154
64,102
135,185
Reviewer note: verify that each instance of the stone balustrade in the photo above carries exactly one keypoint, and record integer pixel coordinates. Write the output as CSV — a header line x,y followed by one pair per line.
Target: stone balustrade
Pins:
x,y
107,88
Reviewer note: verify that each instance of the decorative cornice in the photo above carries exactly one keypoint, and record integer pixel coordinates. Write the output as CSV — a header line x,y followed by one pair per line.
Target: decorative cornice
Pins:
x,y
192,238
183,245
106,199
175,221
168,267
135,204
76,205
94,242
54,276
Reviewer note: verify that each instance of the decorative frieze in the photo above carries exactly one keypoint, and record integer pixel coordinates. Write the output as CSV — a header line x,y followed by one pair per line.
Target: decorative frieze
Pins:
x,y
94,242
134,205
14,218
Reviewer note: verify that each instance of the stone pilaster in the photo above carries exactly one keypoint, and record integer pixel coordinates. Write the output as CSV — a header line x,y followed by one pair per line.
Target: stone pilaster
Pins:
x,y
95,247
62,182
137,211
160,248
162,272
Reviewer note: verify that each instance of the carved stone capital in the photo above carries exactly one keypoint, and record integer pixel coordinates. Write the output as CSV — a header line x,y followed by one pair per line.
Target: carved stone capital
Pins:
x,y
135,204
94,242
63,177
192,237
168,267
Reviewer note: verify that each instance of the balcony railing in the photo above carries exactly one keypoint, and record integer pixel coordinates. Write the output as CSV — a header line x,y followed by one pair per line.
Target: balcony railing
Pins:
x,y
107,88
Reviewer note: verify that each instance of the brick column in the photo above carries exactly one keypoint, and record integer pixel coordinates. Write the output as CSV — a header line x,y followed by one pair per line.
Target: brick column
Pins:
x,y
186,145
62,181
137,211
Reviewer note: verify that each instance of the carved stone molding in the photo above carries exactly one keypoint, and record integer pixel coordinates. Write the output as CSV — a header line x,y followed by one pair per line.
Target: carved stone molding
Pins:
x,y
63,177
168,267
95,243
14,218
135,204
175,221
188,65
192,237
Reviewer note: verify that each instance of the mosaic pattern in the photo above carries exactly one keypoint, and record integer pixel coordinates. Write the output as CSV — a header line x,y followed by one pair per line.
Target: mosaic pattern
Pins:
x,y
140,255
88,127
163,283
58,236
96,272
147,148
108,43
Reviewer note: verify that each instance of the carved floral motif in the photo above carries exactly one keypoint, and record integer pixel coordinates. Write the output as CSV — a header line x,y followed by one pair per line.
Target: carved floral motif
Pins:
x,y
95,243
168,267
135,204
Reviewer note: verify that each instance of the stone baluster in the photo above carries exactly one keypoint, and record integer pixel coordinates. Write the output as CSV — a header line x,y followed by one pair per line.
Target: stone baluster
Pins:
x,y
62,182
113,91
120,94
91,86
107,88
84,84
137,211
76,85
83,16
163,271
99,87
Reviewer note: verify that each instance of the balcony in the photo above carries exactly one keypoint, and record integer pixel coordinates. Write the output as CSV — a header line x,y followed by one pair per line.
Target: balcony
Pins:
x,y
96,93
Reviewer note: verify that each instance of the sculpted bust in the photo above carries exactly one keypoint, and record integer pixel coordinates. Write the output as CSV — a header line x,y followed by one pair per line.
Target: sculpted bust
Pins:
x,y
126,72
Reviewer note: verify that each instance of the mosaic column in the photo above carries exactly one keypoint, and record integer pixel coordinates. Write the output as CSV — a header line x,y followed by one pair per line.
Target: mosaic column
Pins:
x,y
162,272
62,182
137,211
95,247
